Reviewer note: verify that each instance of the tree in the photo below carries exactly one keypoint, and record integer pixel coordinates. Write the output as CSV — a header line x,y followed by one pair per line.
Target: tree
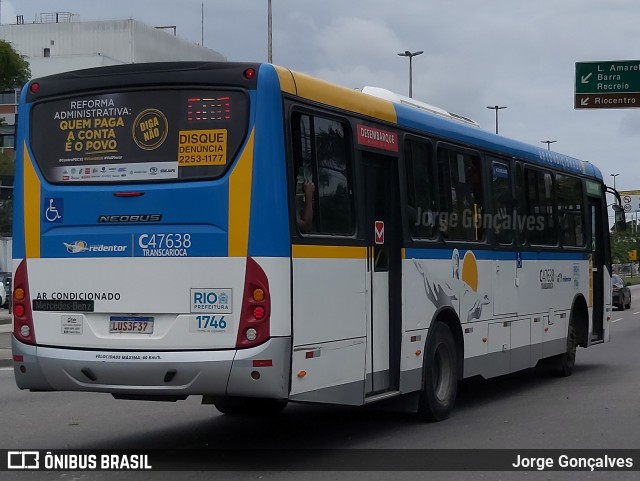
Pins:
x,y
622,242
14,70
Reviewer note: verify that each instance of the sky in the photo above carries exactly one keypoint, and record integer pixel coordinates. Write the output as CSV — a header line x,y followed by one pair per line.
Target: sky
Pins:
x,y
514,53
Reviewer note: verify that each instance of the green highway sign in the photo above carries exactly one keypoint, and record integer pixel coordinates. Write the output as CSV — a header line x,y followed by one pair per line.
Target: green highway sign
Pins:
x,y
607,85
608,77
607,101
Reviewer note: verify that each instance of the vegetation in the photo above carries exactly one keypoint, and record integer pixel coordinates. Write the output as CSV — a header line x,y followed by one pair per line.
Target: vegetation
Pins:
x,y
632,281
622,242
14,72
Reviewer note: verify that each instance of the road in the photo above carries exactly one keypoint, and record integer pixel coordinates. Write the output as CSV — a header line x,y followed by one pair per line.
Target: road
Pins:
x,y
596,408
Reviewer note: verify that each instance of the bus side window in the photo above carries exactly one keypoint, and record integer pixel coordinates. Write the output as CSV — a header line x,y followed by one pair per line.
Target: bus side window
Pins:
x,y
521,206
321,157
420,196
461,199
540,224
502,203
303,173
570,200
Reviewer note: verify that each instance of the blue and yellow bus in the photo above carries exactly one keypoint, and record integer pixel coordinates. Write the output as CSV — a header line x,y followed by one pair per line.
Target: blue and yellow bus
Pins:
x,y
256,236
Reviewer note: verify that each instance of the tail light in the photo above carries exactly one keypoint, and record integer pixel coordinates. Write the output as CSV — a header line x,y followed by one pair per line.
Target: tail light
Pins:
x,y
255,314
22,316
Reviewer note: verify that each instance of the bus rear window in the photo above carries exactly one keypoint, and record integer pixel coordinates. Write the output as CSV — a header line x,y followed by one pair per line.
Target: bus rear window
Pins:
x,y
138,136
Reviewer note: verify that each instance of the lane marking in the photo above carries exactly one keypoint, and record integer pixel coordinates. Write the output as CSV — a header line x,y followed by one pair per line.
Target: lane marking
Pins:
x,y
636,313
616,320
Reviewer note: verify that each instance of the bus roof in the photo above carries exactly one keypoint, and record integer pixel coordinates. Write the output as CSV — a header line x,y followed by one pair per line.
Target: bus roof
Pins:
x,y
429,119
456,131
401,99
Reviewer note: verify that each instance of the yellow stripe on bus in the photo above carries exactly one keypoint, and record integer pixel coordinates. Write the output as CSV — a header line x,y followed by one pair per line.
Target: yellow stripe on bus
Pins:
x,y
31,207
330,94
240,202
328,252
287,84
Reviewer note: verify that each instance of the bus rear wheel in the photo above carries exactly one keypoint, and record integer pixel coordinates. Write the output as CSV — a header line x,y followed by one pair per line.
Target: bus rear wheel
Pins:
x,y
440,382
241,406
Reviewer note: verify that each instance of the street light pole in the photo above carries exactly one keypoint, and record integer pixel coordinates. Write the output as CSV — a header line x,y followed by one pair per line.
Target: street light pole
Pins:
x,y
406,53
548,142
614,180
496,108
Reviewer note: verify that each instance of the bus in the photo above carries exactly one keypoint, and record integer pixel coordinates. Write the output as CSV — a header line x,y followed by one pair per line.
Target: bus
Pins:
x,y
254,236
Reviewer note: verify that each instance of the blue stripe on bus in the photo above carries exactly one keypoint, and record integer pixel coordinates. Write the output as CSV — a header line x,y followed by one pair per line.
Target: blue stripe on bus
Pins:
x,y
553,256
18,240
484,254
196,226
457,131
269,229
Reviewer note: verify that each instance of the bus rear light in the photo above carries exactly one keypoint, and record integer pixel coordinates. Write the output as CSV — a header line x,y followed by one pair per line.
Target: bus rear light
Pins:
x,y
34,87
22,317
254,324
249,73
258,295
251,334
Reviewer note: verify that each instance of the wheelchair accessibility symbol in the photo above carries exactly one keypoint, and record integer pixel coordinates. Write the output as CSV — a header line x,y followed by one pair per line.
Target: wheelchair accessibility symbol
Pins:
x,y
54,210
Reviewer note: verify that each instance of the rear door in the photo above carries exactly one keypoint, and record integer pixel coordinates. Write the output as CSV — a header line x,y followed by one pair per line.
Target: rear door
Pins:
x,y
384,279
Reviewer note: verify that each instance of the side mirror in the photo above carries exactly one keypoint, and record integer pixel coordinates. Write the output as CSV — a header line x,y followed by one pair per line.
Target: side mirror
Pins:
x,y
620,219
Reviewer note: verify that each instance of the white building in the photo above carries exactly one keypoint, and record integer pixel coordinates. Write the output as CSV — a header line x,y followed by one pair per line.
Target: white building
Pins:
x,y
56,43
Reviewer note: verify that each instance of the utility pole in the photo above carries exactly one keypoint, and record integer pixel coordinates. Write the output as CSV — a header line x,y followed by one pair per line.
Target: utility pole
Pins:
x,y
270,32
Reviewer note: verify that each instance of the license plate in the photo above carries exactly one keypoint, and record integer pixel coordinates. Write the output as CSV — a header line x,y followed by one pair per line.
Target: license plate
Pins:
x,y
131,325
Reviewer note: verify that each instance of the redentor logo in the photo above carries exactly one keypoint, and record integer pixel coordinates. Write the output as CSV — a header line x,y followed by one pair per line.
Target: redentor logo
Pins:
x,y
23,460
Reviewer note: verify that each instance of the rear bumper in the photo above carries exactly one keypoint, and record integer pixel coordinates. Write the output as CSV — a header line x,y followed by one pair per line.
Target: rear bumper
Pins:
x,y
159,373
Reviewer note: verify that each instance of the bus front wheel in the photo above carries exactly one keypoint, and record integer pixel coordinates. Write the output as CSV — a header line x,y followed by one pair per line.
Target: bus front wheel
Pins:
x,y
440,381
562,364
